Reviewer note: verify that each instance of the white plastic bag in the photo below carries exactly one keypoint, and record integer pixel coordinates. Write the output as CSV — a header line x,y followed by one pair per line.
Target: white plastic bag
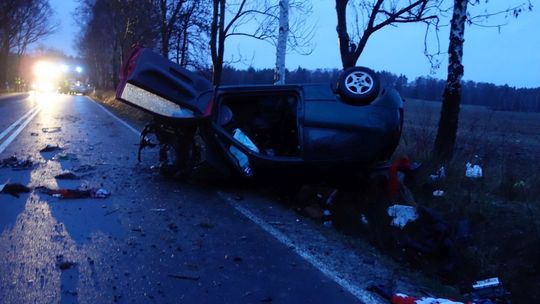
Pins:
x,y
402,214
473,171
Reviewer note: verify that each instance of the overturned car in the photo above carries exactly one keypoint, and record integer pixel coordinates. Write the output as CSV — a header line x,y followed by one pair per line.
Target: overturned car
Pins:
x,y
310,130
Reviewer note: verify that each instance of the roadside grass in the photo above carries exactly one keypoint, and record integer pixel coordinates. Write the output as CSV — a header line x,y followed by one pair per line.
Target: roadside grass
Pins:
x,y
502,207
107,98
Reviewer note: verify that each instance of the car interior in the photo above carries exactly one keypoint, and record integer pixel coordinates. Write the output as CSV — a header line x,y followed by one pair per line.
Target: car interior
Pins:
x,y
270,121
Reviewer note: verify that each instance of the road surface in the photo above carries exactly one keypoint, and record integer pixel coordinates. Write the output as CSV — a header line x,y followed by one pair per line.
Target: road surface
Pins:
x,y
152,240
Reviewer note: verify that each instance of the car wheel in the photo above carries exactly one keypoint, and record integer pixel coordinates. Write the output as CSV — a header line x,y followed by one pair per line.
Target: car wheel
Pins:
x,y
358,85
179,159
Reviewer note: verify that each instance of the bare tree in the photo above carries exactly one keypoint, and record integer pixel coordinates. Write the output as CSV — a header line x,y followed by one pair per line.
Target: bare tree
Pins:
x,y
169,15
190,37
22,23
377,14
263,14
110,29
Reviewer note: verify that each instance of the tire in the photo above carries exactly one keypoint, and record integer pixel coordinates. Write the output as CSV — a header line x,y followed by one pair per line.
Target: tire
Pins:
x,y
358,85
178,159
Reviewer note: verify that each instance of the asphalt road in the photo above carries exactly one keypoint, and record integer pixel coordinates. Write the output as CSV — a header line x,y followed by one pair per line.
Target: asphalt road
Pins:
x,y
152,240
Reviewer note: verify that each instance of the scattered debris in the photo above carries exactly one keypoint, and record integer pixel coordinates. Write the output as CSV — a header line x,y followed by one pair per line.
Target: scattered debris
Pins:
x,y
65,156
112,211
15,163
473,171
84,168
67,175
487,283
489,291
400,298
63,264
237,259
439,193
363,219
51,130
34,134
402,214
75,193
439,175
402,164
50,148
173,227
158,209
13,189
331,197
184,277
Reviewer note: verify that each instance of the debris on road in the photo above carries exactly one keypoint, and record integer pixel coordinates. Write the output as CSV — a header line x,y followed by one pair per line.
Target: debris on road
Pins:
x,y
15,163
402,214
62,263
75,193
50,148
67,175
51,130
84,168
65,156
112,211
13,189
184,277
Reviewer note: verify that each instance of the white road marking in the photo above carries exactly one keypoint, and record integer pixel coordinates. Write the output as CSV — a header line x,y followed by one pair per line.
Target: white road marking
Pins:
x,y
333,275
132,129
21,127
6,131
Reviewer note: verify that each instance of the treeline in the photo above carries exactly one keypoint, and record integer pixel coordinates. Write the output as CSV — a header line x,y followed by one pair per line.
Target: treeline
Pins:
x,y
497,97
504,98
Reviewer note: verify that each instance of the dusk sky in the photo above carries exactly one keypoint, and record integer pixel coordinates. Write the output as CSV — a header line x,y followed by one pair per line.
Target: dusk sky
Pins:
x,y
510,55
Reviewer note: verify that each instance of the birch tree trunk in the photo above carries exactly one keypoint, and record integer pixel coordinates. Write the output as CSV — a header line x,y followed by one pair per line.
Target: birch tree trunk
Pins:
x,y
281,48
448,122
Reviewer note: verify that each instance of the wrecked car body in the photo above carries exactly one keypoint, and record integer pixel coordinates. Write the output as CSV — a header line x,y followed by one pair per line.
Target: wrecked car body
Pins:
x,y
262,130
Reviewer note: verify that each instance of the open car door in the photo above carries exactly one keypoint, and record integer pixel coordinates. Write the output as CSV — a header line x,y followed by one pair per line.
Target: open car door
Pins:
x,y
156,85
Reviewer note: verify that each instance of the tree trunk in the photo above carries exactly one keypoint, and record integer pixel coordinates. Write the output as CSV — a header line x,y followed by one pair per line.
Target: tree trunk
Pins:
x,y
217,40
281,48
4,59
347,59
448,122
